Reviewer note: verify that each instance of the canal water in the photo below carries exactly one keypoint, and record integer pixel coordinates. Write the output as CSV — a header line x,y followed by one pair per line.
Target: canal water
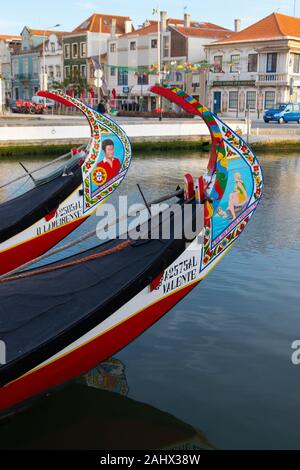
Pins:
x,y
220,361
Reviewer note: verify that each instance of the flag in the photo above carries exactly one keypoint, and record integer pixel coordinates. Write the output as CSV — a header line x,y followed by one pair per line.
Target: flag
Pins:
x,y
155,11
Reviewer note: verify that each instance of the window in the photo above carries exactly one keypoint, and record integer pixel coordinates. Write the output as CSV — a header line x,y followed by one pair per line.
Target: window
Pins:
x,y
74,70
83,71
15,68
58,71
153,43
133,46
218,63
83,49
113,47
122,77
74,50
67,51
52,46
166,46
296,63
296,108
67,71
252,62
25,66
271,62
35,66
113,71
269,99
142,77
251,100
51,71
234,63
233,98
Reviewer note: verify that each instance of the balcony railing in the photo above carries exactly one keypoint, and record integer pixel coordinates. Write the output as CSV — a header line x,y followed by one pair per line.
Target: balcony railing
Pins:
x,y
272,77
25,77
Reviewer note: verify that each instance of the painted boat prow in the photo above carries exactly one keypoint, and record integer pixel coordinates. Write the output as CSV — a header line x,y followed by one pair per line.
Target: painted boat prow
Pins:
x,y
43,228
234,180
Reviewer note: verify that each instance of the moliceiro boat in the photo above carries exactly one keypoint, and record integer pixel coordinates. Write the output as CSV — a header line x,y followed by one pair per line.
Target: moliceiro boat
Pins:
x,y
37,220
61,320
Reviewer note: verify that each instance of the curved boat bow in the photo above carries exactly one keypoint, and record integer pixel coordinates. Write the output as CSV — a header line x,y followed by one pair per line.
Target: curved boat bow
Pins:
x,y
110,294
36,221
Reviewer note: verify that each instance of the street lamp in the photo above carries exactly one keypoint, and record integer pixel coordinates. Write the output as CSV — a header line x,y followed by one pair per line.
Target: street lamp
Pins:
x,y
44,81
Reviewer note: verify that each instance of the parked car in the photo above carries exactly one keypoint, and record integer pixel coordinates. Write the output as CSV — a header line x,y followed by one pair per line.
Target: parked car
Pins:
x,y
26,107
283,112
13,106
41,100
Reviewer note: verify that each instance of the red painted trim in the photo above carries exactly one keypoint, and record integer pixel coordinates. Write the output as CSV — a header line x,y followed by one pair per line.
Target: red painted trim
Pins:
x,y
87,356
24,252
188,186
190,108
55,97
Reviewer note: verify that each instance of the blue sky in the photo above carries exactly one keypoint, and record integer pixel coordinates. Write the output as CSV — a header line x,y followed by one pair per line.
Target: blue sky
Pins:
x,y
70,13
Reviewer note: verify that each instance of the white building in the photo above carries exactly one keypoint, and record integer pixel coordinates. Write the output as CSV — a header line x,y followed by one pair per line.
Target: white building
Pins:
x,y
255,67
54,60
8,45
131,56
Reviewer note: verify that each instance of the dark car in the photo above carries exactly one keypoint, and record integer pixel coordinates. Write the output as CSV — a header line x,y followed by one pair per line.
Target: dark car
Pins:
x,y
13,106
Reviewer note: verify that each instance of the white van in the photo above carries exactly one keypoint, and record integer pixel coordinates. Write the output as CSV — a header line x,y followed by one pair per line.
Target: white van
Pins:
x,y
41,100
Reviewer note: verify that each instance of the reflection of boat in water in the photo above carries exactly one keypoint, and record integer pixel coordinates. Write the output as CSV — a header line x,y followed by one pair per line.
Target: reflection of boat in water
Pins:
x,y
70,315
35,221
81,417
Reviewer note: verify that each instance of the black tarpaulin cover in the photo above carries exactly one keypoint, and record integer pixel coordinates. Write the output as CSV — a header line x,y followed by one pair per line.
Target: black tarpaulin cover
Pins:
x,y
41,314
26,209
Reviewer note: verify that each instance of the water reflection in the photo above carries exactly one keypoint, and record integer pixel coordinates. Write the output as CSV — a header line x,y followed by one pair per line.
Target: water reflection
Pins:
x,y
88,415
221,359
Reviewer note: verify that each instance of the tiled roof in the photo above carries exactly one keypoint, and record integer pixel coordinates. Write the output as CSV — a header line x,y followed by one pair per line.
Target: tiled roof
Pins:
x,y
40,32
150,29
101,22
204,32
10,37
196,29
273,26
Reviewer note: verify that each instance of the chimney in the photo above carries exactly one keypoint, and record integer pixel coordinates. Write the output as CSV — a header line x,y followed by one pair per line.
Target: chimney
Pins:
x,y
187,20
128,26
113,27
237,25
163,21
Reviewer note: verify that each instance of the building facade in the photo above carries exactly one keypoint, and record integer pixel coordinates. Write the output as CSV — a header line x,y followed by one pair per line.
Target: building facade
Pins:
x,y
85,48
256,67
52,59
38,49
133,58
8,46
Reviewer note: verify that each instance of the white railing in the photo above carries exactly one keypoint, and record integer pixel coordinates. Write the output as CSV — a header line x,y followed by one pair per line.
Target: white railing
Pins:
x,y
272,77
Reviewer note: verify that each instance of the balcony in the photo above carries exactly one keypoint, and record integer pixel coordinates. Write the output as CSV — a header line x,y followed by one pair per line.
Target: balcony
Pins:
x,y
273,78
26,77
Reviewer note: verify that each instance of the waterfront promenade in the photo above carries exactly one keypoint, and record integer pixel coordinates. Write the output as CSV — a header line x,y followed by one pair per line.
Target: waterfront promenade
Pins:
x,y
24,130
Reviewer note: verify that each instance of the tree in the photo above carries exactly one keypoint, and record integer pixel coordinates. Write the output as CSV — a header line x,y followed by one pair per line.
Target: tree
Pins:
x,y
75,81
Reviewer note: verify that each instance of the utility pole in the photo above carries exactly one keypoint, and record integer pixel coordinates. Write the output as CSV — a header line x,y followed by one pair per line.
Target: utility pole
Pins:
x,y
44,79
99,76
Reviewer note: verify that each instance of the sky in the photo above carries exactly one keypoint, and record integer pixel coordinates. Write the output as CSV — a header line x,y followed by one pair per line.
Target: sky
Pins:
x,y
14,15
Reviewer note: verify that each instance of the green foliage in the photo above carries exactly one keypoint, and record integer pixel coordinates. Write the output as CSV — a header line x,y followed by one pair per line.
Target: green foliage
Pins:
x,y
74,81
